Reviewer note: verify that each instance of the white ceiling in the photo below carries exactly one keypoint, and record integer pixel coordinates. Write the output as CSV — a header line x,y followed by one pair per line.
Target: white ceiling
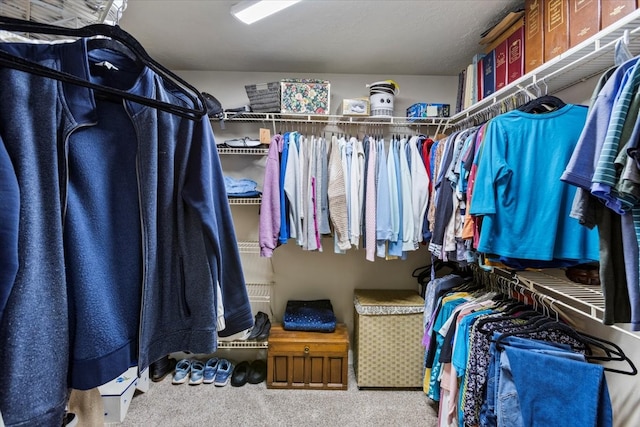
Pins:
x,y
410,37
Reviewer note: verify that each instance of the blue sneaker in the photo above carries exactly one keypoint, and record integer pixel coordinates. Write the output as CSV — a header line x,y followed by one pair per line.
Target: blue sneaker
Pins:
x,y
197,373
210,369
223,374
181,374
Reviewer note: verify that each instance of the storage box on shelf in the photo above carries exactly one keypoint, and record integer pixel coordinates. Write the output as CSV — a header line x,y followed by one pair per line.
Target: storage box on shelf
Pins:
x,y
612,11
308,360
264,97
355,107
305,96
388,330
422,110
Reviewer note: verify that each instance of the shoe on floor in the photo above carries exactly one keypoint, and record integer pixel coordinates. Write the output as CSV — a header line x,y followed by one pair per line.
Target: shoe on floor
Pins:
x,y
70,420
181,373
240,374
210,369
197,373
223,374
161,368
257,372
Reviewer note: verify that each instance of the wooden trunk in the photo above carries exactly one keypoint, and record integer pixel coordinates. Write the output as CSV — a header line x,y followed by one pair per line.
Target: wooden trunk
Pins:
x,y
308,360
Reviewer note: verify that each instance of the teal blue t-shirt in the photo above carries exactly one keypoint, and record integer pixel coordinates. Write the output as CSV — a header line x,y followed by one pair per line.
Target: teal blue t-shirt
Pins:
x,y
518,191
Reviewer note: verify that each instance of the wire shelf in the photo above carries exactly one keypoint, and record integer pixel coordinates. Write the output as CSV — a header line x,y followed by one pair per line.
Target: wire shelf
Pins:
x,y
243,344
249,247
553,282
334,119
245,200
64,13
245,151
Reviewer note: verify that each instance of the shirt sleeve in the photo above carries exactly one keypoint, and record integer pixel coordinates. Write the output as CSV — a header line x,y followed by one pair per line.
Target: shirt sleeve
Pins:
x,y
492,171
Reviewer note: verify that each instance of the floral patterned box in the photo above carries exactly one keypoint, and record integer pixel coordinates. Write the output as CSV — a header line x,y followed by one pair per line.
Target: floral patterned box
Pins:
x,y
304,96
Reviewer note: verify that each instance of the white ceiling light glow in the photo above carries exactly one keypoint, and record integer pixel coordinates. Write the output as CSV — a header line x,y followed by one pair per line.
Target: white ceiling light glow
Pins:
x,y
252,11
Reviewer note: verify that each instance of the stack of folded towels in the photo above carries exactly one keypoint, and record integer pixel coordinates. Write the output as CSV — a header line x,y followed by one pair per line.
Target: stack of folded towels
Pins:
x,y
242,187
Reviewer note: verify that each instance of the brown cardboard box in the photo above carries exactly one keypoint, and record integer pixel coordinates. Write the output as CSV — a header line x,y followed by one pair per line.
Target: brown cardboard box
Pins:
x,y
613,10
505,35
502,27
556,28
534,34
584,20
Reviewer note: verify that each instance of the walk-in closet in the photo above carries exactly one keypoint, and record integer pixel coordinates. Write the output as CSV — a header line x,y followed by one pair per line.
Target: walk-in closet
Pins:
x,y
341,212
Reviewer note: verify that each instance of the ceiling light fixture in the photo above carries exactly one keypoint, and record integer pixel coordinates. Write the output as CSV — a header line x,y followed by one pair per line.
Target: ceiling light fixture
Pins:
x,y
252,11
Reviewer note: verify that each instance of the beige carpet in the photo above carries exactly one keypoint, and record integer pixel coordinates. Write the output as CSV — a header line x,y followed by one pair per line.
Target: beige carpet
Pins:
x,y
166,404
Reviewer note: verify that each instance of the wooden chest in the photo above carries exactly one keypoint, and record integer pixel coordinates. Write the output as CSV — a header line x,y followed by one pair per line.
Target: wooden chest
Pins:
x,y
308,360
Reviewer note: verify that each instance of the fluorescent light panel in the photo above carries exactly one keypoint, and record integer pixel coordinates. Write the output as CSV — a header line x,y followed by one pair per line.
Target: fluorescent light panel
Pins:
x,y
252,11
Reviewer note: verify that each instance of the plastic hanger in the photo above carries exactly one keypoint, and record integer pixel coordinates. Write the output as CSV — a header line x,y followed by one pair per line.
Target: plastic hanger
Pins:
x,y
613,352
543,104
127,45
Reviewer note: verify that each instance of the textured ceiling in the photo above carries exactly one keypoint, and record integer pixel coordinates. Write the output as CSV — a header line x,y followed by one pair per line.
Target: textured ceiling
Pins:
x,y
420,37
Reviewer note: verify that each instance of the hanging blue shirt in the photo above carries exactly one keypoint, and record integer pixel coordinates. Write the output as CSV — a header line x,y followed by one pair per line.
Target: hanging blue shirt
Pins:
x,y
525,206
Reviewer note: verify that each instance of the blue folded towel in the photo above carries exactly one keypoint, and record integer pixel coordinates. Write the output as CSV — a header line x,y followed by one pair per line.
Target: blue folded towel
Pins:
x,y
243,187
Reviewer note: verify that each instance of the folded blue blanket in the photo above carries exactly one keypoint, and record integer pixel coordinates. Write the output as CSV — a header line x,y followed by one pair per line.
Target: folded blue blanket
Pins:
x,y
311,316
239,186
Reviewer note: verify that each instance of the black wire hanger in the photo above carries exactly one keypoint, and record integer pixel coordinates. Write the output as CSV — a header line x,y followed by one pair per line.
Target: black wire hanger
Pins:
x,y
132,47
613,351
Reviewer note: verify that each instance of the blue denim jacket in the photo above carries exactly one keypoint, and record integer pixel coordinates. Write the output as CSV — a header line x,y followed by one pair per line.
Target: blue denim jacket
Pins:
x,y
124,233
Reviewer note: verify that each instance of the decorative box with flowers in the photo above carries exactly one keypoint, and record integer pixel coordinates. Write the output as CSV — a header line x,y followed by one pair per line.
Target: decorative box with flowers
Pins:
x,y
304,96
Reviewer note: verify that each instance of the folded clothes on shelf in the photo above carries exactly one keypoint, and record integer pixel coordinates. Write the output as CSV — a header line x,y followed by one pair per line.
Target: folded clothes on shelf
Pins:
x,y
241,187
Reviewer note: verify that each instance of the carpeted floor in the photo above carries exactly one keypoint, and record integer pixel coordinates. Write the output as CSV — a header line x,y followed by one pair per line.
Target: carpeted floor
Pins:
x,y
251,405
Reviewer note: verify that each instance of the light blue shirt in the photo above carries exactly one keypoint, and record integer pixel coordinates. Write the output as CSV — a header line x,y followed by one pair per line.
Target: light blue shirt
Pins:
x,y
383,201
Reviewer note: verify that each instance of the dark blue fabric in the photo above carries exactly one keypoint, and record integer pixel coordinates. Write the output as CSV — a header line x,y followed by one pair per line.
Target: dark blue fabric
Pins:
x,y
245,194
9,214
313,316
157,201
570,393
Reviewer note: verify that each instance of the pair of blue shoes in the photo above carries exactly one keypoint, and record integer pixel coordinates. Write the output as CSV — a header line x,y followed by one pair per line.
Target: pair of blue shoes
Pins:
x,y
214,370
218,371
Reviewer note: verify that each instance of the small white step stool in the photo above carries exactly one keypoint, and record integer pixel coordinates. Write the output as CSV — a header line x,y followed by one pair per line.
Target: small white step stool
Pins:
x,y
117,393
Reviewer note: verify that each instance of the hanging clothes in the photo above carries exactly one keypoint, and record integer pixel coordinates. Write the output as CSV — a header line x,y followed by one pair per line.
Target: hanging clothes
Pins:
x,y
619,263
119,201
270,210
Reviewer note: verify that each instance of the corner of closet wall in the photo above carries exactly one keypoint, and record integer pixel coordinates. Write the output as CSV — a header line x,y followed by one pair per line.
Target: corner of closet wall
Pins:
x,y
299,274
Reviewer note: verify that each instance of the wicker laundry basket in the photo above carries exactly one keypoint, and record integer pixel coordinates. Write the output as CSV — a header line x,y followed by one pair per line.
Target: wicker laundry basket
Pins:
x,y
388,330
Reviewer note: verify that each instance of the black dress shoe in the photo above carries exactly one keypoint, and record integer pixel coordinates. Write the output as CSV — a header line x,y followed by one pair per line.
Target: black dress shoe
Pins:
x,y
161,368
257,372
264,333
240,374
258,325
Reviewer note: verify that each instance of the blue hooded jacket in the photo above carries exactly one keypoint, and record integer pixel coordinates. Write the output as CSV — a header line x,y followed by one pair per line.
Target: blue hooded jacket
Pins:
x,y
124,231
